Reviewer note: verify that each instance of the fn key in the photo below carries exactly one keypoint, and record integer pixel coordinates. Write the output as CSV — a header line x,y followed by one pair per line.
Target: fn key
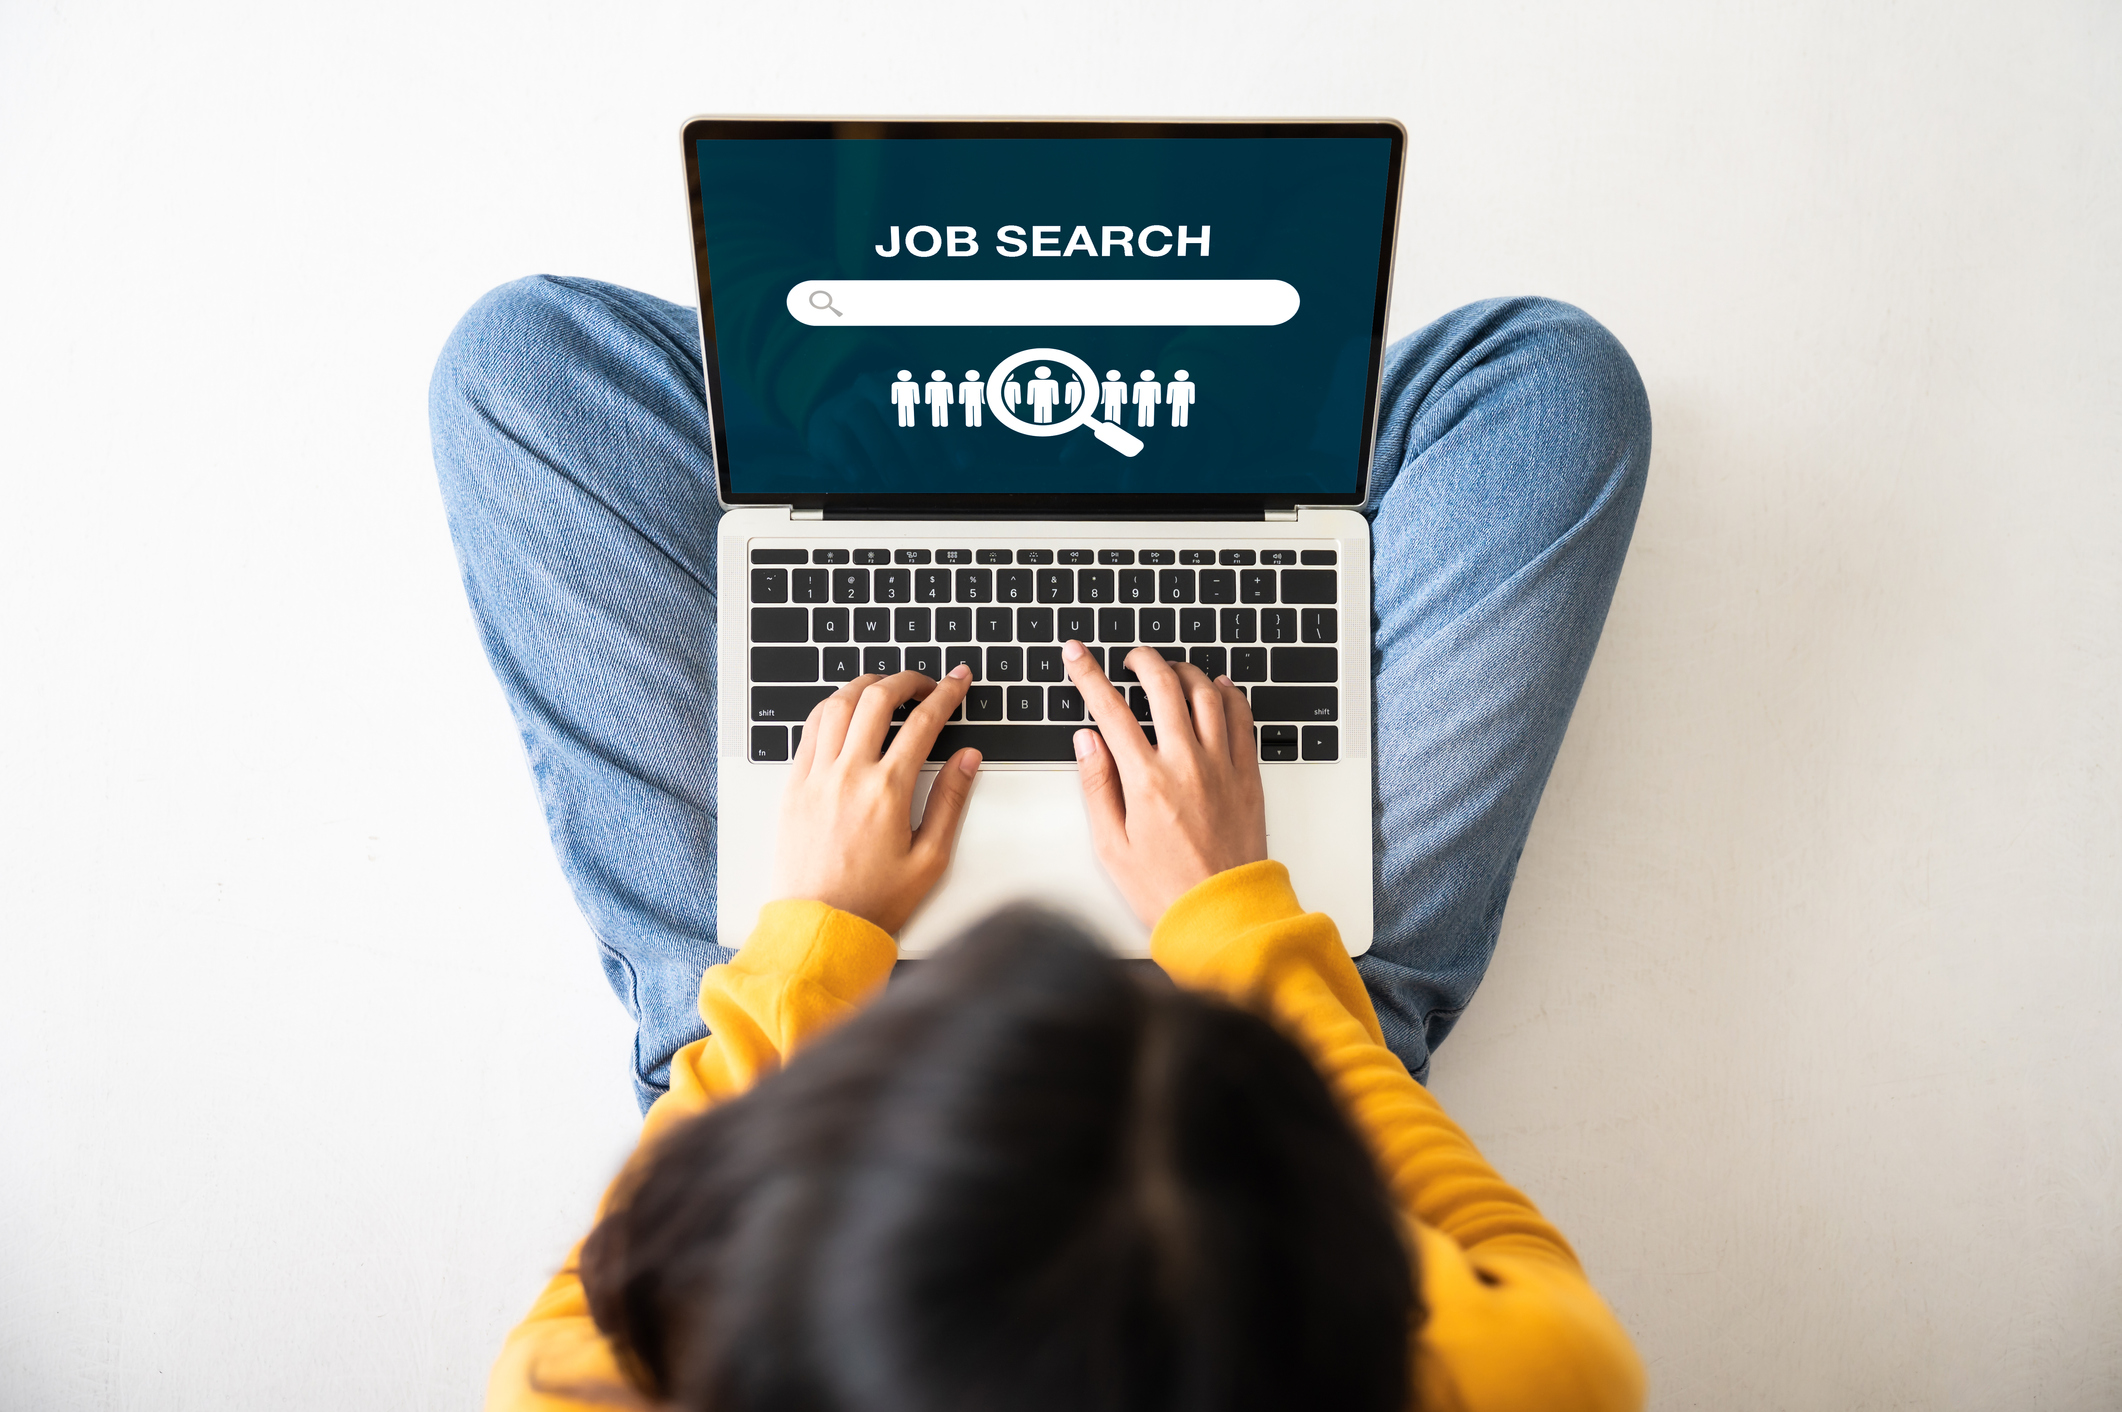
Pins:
x,y
769,742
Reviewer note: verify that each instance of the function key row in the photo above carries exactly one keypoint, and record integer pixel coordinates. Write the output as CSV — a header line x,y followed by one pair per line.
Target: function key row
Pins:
x,y
1042,585
1197,558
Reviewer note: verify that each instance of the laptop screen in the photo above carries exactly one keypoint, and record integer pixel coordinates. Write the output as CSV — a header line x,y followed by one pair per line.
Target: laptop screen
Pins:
x,y
1043,314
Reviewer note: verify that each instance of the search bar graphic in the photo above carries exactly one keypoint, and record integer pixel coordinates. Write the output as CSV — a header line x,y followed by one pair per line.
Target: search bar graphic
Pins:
x,y
1039,303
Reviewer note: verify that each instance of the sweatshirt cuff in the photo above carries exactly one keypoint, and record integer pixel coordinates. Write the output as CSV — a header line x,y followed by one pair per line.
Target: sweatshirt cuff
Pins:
x,y
836,952
1216,911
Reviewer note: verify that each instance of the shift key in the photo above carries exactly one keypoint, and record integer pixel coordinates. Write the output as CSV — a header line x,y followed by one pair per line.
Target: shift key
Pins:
x,y
791,704
1296,703
1304,664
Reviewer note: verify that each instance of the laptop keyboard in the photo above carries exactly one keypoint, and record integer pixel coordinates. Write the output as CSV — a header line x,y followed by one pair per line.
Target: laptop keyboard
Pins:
x,y
1272,618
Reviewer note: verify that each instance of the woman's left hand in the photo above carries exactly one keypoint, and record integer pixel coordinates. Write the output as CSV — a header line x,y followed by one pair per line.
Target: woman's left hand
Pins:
x,y
846,836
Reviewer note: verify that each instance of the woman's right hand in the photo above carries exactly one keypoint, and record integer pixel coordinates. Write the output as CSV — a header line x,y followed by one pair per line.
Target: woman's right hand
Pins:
x,y
1165,817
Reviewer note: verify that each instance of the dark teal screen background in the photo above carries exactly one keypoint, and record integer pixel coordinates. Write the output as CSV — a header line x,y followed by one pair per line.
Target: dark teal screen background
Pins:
x,y
1280,410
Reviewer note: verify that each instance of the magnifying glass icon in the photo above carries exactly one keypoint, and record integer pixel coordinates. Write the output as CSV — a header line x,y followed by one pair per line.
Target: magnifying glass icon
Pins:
x,y
821,299
1085,415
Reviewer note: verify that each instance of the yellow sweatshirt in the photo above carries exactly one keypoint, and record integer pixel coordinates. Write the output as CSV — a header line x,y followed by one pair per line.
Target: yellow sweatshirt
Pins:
x,y
1512,1321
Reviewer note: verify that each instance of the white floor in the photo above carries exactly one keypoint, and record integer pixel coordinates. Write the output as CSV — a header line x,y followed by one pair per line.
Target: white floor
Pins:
x,y
1807,1022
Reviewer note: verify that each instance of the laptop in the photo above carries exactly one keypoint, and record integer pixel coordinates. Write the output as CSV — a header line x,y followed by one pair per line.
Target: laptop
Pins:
x,y
981,387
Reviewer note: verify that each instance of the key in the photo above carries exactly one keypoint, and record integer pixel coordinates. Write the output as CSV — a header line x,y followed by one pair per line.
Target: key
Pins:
x,y
1197,625
842,663
1237,558
910,624
1322,742
993,624
784,664
894,585
1240,624
769,742
873,625
1278,742
932,585
1116,556
884,661
1005,664
873,556
1040,664
1278,625
991,556
926,660
982,703
1308,585
769,585
967,657
1175,586
786,703
1278,556
1158,556
1219,585
1318,556
1064,703
910,556
1138,586
1296,703
1248,664
811,585
1078,556
1138,702
779,625
1158,625
1035,556
780,556
851,585
1013,586
1197,556
1116,625
1035,625
1256,586
954,625
1026,703
1209,660
976,585
828,556
1305,663
1078,623
1116,664
954,556
1057,585
1320,625
1025,742
1095,585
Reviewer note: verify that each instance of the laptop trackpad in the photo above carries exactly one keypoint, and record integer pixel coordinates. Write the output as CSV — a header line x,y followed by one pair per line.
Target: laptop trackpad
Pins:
x,y
1025,839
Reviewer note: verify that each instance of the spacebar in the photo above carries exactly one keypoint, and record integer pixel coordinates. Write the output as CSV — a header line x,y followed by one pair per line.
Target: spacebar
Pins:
x,y
1027,742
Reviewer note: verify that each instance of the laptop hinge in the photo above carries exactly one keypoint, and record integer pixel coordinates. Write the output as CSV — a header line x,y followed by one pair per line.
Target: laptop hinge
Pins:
x,y
807,512
1273,515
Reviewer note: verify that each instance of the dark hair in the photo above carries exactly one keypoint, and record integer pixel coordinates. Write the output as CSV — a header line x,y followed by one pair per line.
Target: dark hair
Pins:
x,y
1029,1176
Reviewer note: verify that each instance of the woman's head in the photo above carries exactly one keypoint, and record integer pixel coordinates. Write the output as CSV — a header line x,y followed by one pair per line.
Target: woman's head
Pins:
x,y
1028,1177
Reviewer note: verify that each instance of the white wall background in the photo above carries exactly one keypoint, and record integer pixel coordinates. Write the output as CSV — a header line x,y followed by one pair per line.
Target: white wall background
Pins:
x,y
1805,1023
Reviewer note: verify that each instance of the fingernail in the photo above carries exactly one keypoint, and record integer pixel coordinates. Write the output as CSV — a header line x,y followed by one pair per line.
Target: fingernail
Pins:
x,y
1072,651
968,762
1225,679
1083,745
962,672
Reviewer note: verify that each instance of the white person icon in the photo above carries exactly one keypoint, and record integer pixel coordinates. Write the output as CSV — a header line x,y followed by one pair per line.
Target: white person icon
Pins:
x,y
1179,396
1147,395
939,398
1044,392
1115,395
906,395
972,396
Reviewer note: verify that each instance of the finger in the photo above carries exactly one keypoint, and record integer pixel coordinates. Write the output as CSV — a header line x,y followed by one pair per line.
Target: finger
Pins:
x,y
1103,801
938,834
1238,722
807,742
1123,733
873,712
834,712
1206,704
918,736
1167,699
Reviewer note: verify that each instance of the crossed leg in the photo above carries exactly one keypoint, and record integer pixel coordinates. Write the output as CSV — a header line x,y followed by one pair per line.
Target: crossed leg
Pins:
x,y
572,443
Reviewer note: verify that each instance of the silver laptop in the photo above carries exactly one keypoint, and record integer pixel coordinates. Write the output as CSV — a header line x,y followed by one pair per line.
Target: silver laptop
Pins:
x,y
982,387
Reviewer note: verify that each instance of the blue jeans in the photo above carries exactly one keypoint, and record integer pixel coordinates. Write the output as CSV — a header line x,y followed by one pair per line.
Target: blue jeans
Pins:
x,y
571,436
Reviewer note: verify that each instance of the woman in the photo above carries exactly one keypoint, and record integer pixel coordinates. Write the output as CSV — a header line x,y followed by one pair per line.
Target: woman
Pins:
x,y
1184,1217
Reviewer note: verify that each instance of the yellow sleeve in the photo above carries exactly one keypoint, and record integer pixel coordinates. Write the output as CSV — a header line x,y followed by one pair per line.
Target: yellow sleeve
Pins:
x,y
806,967
1513,1323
